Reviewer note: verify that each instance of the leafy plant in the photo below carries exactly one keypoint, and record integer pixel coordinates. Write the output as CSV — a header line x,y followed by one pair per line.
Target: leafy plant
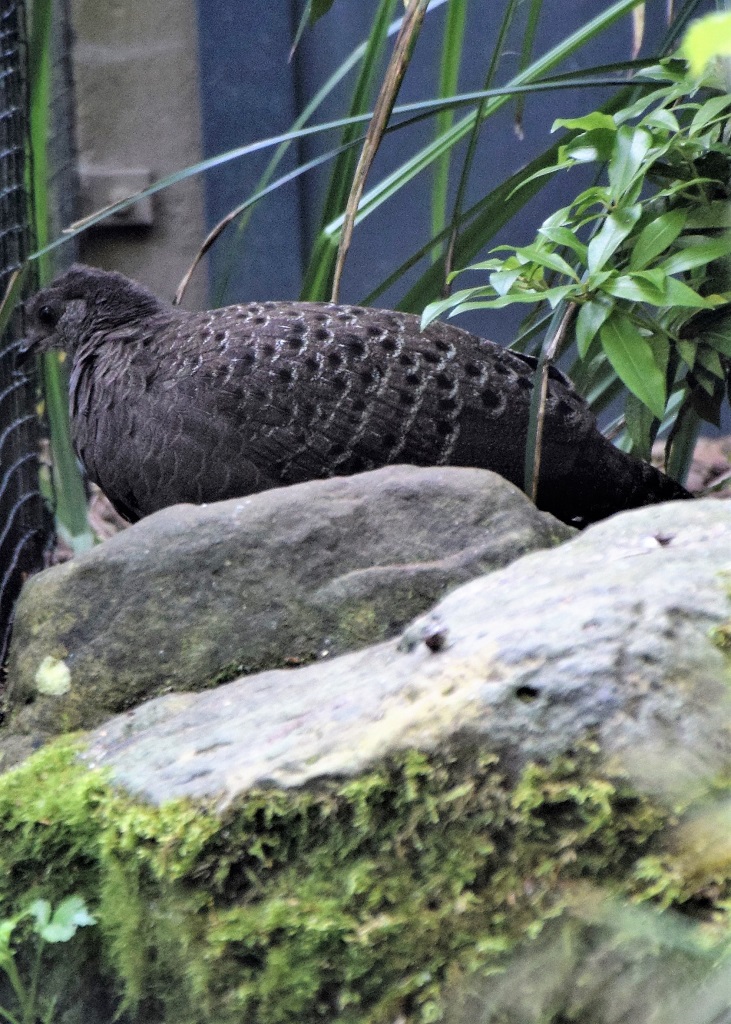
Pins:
x,y
48,927
69,496
460,232
627,267
706,39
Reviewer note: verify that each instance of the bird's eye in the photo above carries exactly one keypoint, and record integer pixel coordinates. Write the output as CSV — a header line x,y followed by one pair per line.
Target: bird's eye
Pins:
x,y
48,316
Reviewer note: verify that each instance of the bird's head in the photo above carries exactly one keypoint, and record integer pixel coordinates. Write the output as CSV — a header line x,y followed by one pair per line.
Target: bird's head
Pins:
x,y
83,303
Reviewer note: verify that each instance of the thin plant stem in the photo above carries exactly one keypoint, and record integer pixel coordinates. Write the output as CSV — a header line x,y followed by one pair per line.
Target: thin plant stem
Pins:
x,y
35,977
550,353
382,111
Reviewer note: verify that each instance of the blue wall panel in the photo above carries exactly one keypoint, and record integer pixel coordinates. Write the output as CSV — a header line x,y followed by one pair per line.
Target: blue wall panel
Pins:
x,y
248,93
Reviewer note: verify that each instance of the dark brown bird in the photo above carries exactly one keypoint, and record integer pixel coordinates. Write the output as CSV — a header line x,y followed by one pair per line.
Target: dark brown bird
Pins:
x,y
169,406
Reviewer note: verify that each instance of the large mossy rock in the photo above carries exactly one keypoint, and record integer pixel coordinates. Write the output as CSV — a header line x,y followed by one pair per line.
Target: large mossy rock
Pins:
x,y
194,595
366,839
609,635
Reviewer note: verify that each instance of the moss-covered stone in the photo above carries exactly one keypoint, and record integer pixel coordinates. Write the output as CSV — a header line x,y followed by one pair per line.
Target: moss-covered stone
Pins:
x,y
355,901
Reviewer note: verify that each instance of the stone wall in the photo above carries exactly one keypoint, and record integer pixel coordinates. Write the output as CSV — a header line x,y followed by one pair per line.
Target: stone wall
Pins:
x,y
136,70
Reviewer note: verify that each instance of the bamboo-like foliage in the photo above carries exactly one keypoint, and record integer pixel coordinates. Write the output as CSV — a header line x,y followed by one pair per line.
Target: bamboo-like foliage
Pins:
x,y
69,495
459,233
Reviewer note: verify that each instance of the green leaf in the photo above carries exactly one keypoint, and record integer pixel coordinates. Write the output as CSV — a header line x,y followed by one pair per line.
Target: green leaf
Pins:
x,y
560,294
711,361
509,264
589,319
686,351
551,295
41,911
633,359
662,118
614,230
566,237
709,112
679,294
589,121
503,280
656,278
588,147
656,236
635,288
720,340
70,915
639,421
546,258
707,396
707,38
591,197
435,309
698,255
630,150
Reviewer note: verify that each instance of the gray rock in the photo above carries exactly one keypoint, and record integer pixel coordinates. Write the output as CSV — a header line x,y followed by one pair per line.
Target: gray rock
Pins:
x,y
621,635
195,595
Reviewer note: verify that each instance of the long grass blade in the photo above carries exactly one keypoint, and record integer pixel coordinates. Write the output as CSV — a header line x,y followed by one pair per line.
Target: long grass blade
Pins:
x,y
451,59
410,169
472,143
529,36
70,495
344,167
418,110
363,53
395,72
11,298
479,225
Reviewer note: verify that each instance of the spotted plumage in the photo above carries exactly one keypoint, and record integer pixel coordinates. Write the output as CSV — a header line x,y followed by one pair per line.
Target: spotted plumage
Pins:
x,y
169,406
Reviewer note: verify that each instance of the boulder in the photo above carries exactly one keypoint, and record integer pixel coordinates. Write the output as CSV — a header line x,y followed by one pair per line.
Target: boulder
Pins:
x,y
609,636
195,595
371,837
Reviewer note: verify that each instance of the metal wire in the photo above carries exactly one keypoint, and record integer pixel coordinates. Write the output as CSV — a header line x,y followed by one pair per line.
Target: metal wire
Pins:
x,y
62,184
24,527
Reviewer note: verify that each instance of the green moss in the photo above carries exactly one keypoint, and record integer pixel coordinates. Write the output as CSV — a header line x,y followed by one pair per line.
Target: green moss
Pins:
x,y
352,900
721,637
359,625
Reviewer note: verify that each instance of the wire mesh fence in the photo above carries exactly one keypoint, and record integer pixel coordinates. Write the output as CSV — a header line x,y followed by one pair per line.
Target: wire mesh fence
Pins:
x,y
62,184
24,523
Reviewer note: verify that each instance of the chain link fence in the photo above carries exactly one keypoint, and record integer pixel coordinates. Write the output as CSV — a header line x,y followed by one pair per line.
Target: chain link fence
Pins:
x,y
25,523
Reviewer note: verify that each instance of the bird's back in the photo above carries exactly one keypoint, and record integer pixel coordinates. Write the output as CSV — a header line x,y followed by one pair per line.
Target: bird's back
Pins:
x,y
169,406
223,403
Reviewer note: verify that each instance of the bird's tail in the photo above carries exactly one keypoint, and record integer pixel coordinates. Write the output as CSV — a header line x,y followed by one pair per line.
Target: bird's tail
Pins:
x,y
605,480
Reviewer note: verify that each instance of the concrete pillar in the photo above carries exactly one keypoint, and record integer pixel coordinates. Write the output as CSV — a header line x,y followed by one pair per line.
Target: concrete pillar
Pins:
x,y
137,88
